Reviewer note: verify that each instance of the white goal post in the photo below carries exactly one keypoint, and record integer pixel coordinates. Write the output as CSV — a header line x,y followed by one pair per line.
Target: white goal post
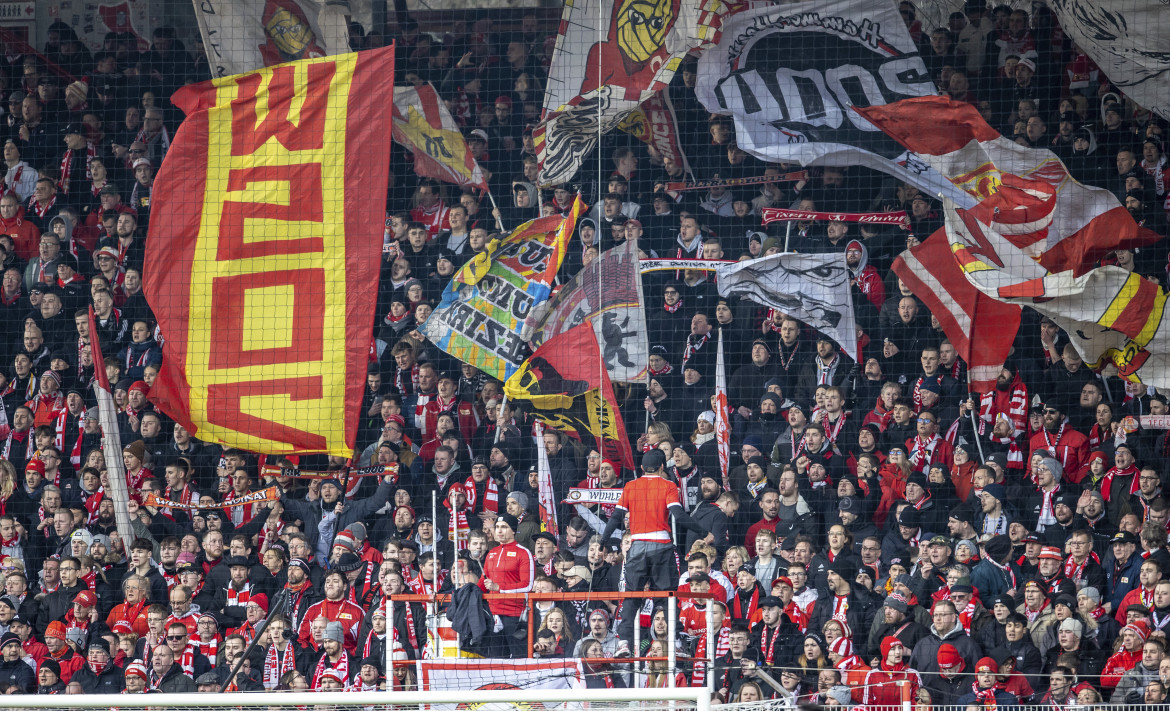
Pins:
x,y
678,698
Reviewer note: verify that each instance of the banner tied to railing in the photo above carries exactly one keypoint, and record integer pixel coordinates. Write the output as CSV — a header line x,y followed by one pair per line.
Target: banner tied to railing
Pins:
x,y
776,214
272,493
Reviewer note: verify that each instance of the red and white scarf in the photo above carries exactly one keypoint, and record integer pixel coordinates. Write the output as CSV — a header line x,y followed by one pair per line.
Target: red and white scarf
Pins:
x,y
923,451
411,632
19,437
342,667
277,664
693,347
91,502
1075,571
59,440
41,210
833,431
491,494
67,166
238,598
825,370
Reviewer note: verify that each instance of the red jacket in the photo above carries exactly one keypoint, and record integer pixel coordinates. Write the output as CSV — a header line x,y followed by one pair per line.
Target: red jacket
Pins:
x,y
512,567
1071,449
343,611
24,234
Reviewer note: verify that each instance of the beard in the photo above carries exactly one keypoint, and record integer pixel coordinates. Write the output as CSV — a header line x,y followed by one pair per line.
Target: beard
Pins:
x,y
1002,385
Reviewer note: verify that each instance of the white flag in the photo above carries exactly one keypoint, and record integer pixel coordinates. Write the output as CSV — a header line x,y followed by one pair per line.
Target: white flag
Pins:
x,y
489,674
811,288
244,35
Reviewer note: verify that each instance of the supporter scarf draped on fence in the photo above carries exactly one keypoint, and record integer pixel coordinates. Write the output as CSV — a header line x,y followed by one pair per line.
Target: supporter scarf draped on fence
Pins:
x,y
242,35
608,293
274,189
423,126
570,392
1080,227
811,288
792,74
1109,314
594,85
482,312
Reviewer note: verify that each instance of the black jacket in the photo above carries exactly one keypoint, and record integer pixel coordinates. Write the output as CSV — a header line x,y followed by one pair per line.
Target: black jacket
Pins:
x,y
471,618
110,681
20,674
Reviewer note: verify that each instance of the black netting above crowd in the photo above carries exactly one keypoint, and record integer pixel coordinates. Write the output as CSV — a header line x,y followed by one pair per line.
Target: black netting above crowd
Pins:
x,y
877,522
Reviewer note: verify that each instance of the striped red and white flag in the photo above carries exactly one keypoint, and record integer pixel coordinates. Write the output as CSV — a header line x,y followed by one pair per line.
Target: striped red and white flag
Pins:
x,y
722,426
1071,232
980,328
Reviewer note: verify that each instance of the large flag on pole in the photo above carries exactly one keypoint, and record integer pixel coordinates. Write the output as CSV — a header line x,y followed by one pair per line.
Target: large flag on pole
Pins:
x,y
610,56
793,105
242,35
423,126
811,288
1074,232
570,391
979,327
1110,315
482,311
111,437
272,245
609,295
722,426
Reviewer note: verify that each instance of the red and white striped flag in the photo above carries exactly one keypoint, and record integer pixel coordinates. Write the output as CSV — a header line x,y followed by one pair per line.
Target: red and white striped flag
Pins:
x,y
423,126
1073,232
722,426
980,328
544,491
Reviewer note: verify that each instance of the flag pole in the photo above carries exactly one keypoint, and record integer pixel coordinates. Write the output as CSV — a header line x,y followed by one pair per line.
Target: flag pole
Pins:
x,y
974,421
495,210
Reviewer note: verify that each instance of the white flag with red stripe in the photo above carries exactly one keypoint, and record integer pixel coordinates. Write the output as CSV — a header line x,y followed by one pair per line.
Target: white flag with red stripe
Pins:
x,y
1084,223
1111,316
423,126
544,491
722,426
980,328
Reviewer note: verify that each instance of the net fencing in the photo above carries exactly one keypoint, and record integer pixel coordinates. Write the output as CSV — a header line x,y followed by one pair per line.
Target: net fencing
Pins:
x,y
381,286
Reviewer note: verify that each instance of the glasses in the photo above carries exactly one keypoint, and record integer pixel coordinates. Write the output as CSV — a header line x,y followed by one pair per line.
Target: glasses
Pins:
x,y
136,150
1051,411
926,420
65,569
176,637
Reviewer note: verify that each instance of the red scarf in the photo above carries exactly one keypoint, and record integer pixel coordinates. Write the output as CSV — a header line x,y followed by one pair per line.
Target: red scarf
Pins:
x,y
238,598
986,697
323,666
831,432
67,166
491,494
41,210
411,632
1033,614
1074,571
276,665
186,660
1107,481
670,309
91,502
923,451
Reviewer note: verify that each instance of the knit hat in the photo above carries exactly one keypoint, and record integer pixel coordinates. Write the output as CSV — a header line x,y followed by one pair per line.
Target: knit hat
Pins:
x,y
334,674
35,465
897,602
1050,553
138,449
139,386
138,669
55,629
841,646
1072,625
986,664
334,632
1140,628
346,540
261,600
123,627
949,658
80,88
520,498
82,535
52,665
358,530
1090,592
348,562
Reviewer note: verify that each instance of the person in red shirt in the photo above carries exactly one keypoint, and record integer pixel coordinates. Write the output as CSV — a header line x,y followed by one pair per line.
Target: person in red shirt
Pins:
x,y
509,568
650,500
1068,446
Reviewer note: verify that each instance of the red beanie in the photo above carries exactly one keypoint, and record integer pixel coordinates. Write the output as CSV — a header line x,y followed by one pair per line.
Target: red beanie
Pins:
x,y
949,658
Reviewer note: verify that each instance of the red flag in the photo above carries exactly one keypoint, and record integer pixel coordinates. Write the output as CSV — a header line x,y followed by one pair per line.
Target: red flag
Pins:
x,y
272,245
980,328
722,426
1079,227
566,381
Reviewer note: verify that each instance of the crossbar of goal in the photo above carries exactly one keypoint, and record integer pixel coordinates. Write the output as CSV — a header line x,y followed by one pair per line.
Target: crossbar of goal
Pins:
x,y
700,697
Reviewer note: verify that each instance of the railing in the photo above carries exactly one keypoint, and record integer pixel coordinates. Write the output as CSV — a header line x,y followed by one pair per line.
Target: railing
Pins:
x,y
531,599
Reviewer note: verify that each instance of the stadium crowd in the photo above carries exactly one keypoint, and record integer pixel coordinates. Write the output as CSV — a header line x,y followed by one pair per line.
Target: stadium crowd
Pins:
x,y
878,523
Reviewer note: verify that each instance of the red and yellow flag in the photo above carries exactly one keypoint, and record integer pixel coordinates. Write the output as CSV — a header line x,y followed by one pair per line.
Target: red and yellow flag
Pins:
x,y
273,195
